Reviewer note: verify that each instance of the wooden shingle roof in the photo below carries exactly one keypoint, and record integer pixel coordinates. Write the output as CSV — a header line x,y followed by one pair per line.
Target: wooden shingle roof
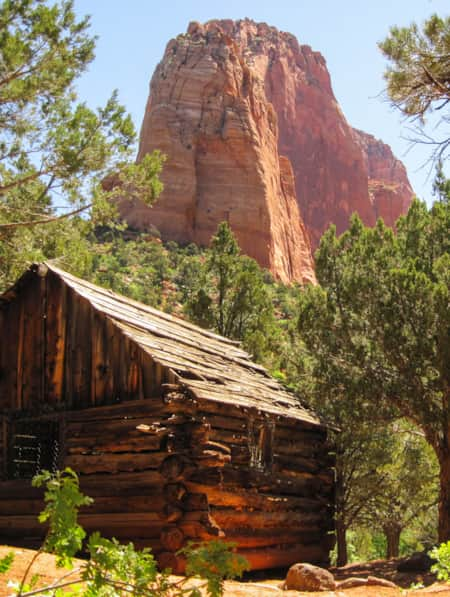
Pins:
x,y
211,366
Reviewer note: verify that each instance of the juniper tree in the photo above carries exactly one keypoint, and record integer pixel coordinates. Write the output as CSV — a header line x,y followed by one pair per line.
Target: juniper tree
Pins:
x,y
418,76
377,328
55,151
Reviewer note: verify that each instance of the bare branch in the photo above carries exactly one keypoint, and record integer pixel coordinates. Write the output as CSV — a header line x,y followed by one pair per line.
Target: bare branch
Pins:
x,y
31,223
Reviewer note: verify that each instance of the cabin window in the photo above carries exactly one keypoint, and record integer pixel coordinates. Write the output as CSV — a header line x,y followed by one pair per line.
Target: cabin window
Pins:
x,y
33,447
261,444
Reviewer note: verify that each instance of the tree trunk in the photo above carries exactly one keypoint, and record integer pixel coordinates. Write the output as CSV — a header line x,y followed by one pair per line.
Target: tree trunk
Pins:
x,y
341,523
444,494
392,533
341,543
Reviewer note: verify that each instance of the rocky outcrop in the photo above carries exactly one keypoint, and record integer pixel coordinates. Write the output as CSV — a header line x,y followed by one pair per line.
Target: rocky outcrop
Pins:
x,y
208,113
254,136
389,187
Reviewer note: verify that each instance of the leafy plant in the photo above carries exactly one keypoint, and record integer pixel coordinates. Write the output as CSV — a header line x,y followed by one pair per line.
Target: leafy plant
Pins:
x,y
6,562
113,569
441,554
63,499
215,562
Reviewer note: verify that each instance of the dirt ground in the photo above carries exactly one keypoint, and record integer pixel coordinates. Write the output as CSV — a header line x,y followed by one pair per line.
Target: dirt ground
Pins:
x,y
45,567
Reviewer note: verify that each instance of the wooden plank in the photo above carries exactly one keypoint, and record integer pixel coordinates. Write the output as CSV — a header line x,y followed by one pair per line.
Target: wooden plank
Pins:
x,y
69,349
54,339
161,322
19,488
81,354
121,483
268,538
278,557
169,561
88,464
20,527
13,507
299,445
122,365
125,533
229,518
196,530
148,375
132,442
134,372
31,352
4,392
42,397
94,520
4,446
231,478
151,406
251,499
119,426
11,370
172,538
295,464
100,367
119,525
20,356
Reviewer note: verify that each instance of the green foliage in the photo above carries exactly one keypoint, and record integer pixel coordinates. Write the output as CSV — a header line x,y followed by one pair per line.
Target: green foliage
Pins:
x,y
55,152
6,562
375,341
418,78
377,325
442,556
137,268
230,295
179,280
63,499
408,485
419,74
415,586
113,569
214,561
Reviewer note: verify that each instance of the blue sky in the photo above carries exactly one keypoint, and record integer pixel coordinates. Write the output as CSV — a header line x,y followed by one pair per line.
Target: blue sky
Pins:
x,y
133,35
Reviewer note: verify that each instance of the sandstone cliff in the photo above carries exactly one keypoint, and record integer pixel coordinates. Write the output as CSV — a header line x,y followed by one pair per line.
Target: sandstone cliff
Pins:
x,y
389,187
254,136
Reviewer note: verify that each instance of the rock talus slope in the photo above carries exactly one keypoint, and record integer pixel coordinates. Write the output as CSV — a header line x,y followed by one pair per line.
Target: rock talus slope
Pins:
x,y
254,136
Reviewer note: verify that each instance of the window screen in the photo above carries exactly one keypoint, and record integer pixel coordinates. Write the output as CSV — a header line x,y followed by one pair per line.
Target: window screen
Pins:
x,y
33,447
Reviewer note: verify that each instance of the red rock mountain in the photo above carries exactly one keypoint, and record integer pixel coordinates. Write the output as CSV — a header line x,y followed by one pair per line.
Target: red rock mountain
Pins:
x,y
253,135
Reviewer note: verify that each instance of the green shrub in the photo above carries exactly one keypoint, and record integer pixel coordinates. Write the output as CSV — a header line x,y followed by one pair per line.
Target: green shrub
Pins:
x,y
442,556
113,570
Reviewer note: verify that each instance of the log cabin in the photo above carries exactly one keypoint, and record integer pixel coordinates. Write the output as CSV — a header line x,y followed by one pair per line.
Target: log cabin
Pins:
x,y
172,429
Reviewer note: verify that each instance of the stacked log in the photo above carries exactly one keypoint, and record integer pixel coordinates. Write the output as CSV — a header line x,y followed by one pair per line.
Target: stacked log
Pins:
x,y
167,471
3,446
276,516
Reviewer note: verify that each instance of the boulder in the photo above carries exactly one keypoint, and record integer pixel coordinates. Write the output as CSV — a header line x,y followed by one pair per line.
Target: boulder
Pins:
x,y
306,577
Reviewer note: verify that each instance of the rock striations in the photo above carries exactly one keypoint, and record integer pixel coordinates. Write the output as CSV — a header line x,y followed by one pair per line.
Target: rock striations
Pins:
x,y
254,136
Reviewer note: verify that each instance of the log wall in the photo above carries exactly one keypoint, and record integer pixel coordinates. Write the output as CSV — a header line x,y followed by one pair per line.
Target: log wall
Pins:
x,y
62,353
162,475
163,465
4,425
